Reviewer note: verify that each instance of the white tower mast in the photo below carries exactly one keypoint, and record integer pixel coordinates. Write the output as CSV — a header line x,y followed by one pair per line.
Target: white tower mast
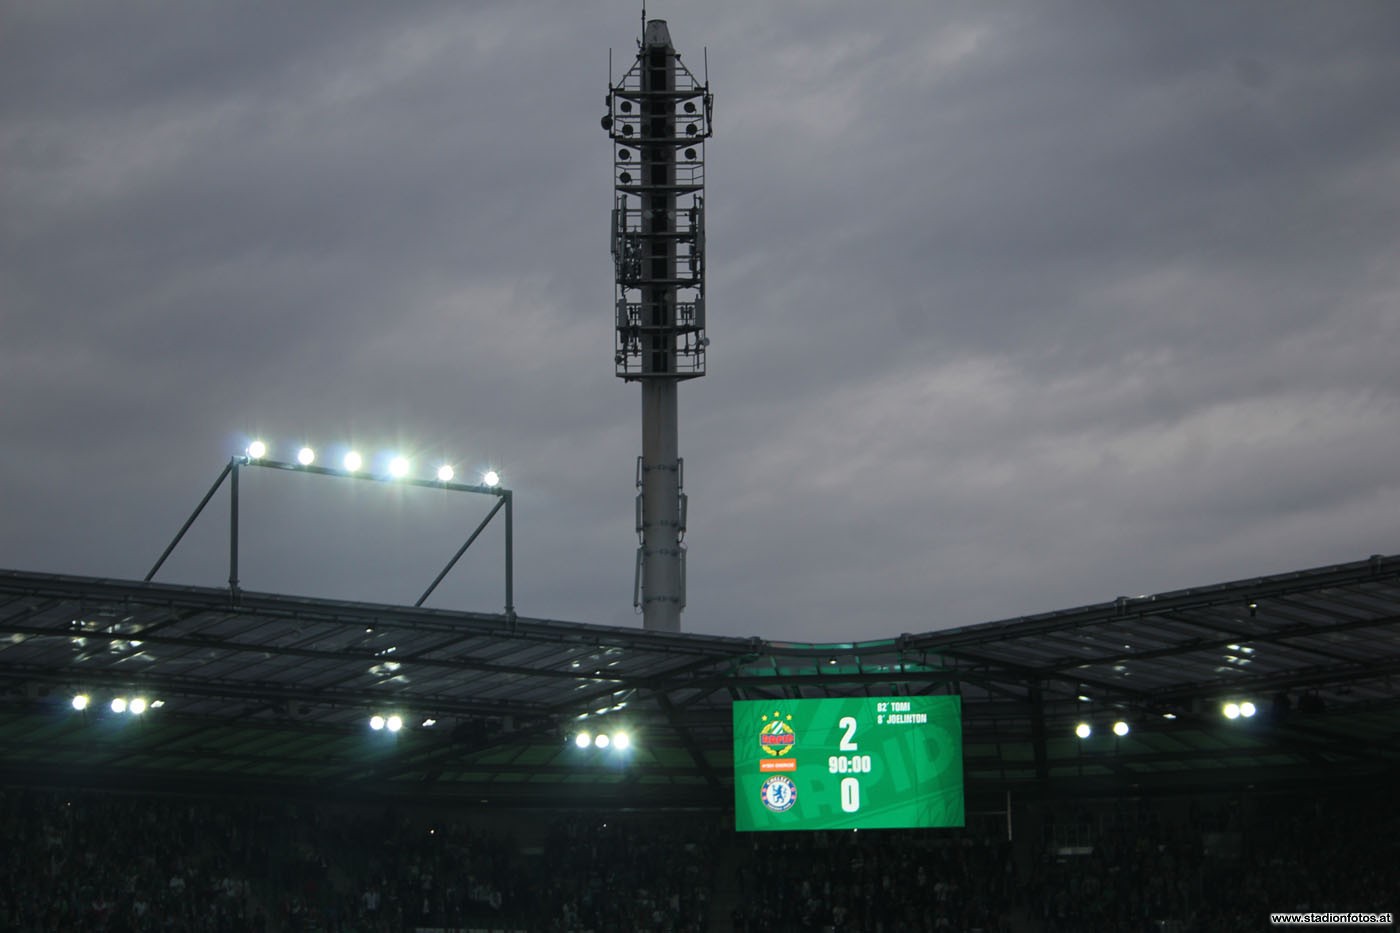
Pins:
x,y
659,118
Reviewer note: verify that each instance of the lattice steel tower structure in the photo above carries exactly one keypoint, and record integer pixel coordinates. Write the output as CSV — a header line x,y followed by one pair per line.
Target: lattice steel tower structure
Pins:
x,y
659,118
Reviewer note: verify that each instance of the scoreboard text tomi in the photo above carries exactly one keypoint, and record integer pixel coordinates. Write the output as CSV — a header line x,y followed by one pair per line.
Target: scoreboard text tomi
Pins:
x,y
859,763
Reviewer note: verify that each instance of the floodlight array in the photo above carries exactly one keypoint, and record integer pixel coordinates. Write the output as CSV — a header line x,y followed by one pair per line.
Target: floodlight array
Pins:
x,y
619,741
121,704
1084,729
390,723
397,466
1237,709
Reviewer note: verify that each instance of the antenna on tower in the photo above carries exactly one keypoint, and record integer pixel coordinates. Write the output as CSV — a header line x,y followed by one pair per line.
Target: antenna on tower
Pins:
x,y
659,118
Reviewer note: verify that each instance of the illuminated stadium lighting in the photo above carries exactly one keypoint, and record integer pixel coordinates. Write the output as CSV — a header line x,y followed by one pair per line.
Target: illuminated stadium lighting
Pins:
x,y
376,722
445,473
1083,730
80,701
394,723
257,450
583,740
601,740
1120,728
491,478
1247,709
622,741
118,704
353,461
137,706
306,456
398,467
1231,710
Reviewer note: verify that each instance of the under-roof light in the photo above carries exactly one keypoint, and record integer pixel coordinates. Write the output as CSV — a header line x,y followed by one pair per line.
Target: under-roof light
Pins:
x,y
157,704
257,450
1169,715
306,456
429,723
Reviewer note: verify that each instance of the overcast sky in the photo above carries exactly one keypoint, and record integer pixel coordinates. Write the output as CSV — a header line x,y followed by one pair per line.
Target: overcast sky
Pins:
x,y
1014,307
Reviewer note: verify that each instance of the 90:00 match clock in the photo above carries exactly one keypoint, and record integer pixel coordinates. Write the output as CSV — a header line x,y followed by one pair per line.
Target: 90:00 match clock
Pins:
x,y
848,763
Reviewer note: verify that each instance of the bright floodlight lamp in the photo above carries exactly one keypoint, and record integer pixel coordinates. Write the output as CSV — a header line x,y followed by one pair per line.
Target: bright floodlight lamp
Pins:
x,y
1247,709
118,704
376,722
601,740
445,473
1121,728
257,450
1083,730
306,456
622,741
137,706
583,740
398,467
1231,710
353,461
80,701
491,478
394,723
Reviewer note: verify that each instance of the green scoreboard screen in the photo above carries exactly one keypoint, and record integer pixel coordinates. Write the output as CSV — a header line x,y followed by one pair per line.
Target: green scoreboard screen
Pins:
x,y
860,763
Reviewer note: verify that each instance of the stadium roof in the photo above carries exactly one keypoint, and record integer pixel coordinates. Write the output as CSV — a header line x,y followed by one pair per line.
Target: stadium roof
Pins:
x,y
274,692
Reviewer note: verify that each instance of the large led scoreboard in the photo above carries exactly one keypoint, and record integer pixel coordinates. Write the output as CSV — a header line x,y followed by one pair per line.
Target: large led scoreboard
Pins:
x,y
848,763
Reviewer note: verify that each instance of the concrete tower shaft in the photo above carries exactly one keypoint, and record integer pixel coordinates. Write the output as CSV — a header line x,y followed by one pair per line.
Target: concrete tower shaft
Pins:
x,y
659,118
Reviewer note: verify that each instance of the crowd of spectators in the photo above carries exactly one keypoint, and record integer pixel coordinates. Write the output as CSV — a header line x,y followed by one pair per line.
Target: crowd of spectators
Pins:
x,y
120,863
888,881
94,862
1215,865
86,861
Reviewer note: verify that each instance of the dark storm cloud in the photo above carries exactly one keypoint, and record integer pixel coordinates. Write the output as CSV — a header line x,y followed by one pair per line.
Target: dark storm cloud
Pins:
x,y
1013,307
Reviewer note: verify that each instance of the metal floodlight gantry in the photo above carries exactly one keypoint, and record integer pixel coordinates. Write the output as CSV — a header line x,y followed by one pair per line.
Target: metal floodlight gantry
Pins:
x,y
398,469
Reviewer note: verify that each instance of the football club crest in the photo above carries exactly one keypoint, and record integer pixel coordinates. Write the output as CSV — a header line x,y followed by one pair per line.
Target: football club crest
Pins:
x,y
778,793
776,737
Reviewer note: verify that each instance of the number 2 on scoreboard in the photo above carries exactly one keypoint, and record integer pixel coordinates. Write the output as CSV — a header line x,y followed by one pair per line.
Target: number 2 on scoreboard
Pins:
x,y
849,724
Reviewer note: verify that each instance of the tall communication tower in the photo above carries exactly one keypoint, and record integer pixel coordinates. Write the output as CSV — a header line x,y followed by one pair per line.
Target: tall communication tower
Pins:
x,y
659,118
